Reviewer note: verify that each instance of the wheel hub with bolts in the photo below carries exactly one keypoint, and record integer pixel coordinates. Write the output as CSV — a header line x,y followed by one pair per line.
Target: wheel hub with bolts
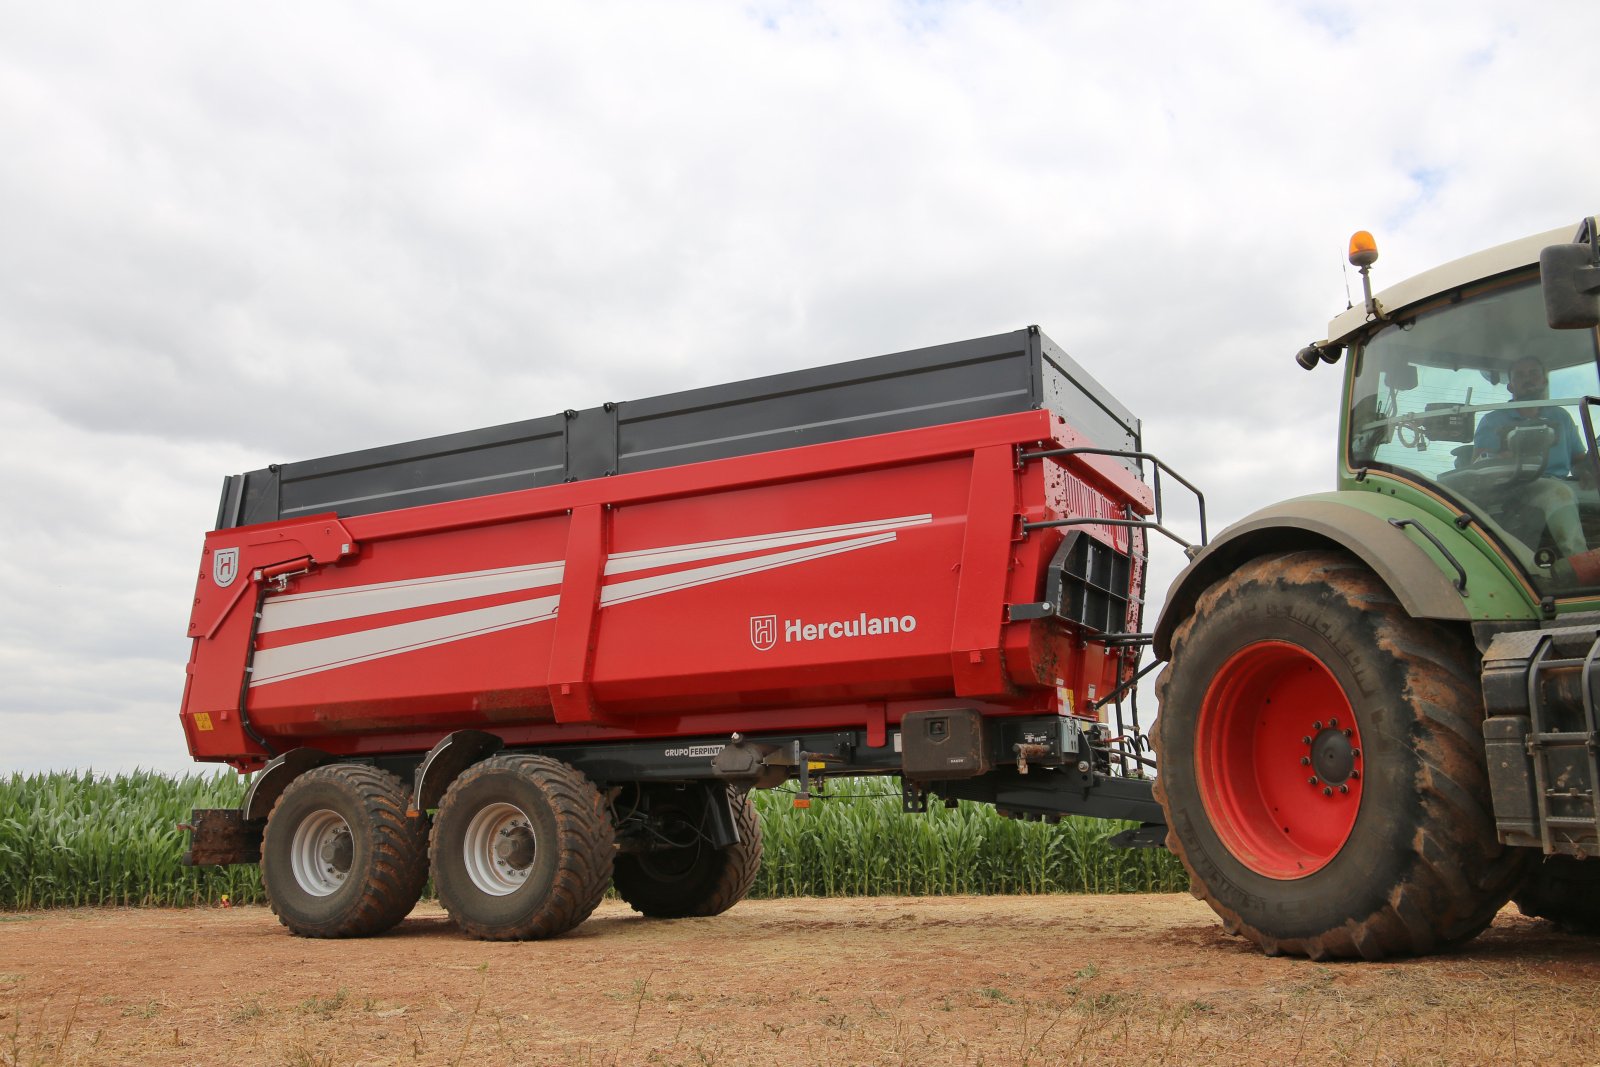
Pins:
x,y
1334,758
514,850
321,852
498,849
337,851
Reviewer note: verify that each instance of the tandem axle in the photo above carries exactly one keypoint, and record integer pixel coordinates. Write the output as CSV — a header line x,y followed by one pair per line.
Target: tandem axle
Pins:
x,y
1039,767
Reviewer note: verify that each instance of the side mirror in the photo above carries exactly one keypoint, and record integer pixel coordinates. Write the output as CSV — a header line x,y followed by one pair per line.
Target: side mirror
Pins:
x,y
1570,277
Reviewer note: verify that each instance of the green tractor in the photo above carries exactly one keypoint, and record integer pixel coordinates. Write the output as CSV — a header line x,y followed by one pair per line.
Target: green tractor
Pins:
x,y
1379,712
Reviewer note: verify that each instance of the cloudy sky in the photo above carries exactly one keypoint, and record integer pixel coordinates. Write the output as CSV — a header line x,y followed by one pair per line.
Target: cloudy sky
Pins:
x,y
238,235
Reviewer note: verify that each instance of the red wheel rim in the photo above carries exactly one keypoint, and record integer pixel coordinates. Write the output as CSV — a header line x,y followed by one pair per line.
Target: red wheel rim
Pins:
x,y
1278,760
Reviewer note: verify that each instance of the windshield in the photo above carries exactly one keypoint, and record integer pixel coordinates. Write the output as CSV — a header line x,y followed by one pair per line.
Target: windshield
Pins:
x,y
1483,402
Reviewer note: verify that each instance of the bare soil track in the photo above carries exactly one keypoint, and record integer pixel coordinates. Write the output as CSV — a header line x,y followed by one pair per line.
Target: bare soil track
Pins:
x,y
952,980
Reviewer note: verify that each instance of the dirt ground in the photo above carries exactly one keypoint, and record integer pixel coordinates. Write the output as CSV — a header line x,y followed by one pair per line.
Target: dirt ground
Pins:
x,y
962,980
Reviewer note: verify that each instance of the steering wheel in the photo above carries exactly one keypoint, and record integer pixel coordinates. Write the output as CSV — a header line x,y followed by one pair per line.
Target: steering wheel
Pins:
x,y
1529,445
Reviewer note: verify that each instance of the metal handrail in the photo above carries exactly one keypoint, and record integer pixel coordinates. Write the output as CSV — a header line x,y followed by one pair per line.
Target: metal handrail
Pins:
x,y
1138,641
1142,524
1155,484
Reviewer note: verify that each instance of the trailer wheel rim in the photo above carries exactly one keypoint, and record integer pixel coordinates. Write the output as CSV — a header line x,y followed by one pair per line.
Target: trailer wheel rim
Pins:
x,y
321,852
498,849
1278,760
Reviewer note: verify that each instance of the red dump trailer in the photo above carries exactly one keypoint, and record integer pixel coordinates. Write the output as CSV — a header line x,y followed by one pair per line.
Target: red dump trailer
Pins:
x,y
542,658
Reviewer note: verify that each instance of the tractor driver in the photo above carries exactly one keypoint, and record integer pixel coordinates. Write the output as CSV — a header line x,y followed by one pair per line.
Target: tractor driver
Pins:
x,y
1530,381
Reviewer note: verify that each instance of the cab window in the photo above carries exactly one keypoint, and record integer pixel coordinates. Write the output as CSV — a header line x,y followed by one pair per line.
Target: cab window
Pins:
x,y
1481,401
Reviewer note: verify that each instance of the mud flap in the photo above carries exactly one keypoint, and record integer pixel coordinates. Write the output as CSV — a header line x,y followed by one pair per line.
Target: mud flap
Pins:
x,y
222,836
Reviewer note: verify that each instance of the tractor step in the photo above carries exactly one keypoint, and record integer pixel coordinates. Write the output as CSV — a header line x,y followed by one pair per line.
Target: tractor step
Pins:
x,y
1565,740
1542,736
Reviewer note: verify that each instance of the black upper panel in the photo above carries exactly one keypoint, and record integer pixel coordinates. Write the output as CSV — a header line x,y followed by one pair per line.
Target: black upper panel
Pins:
x,y
975,379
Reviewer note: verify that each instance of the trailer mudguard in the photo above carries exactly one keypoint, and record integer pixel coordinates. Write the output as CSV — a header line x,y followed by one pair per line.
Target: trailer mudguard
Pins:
x,y
270,782
1406,560
444,763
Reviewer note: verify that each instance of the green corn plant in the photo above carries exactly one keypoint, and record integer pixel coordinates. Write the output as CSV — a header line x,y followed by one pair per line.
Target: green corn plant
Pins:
x,y
854,841
71,839
75,839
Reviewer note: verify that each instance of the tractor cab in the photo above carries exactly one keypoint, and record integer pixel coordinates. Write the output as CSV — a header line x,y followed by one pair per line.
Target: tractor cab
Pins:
x,y
1468,393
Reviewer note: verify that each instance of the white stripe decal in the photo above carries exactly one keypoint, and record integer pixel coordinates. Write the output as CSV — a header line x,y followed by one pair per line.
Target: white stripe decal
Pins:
x,y
310,657
304,609
627,562
641,588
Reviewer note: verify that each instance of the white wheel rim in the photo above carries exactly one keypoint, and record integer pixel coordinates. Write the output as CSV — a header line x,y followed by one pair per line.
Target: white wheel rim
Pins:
x,y
320,853
498,849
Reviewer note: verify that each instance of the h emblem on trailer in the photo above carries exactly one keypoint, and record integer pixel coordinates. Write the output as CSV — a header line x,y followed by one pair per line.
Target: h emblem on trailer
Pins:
x,y
763,631
225,566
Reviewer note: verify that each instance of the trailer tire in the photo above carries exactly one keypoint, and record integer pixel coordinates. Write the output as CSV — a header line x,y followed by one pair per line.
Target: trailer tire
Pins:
x,y
1352,818
340,857
1565,890
522,848
697,880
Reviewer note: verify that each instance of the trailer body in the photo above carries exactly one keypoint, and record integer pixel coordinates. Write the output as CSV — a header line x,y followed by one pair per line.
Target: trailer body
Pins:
x,y
819,586
929,563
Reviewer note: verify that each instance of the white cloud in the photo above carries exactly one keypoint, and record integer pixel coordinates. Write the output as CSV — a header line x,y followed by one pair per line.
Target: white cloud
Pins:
x,y
236,237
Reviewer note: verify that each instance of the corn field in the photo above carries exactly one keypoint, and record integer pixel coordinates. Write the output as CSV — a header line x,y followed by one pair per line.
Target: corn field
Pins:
x,y
857,842
73,839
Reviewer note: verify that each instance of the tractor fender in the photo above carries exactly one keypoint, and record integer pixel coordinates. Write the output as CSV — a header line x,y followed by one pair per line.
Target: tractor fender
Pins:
x,y
1359,523
270,781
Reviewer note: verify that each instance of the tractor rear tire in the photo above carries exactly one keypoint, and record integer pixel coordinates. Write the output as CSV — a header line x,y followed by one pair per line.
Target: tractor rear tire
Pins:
x,y
340,856
522,848
1322,765
697,879
1565,890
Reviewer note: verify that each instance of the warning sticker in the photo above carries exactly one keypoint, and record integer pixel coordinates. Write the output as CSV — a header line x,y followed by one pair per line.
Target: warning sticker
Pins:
x,y
202,720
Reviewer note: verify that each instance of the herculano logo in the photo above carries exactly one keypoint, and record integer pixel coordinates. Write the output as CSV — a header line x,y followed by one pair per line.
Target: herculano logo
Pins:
x,y
763,631
764,628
